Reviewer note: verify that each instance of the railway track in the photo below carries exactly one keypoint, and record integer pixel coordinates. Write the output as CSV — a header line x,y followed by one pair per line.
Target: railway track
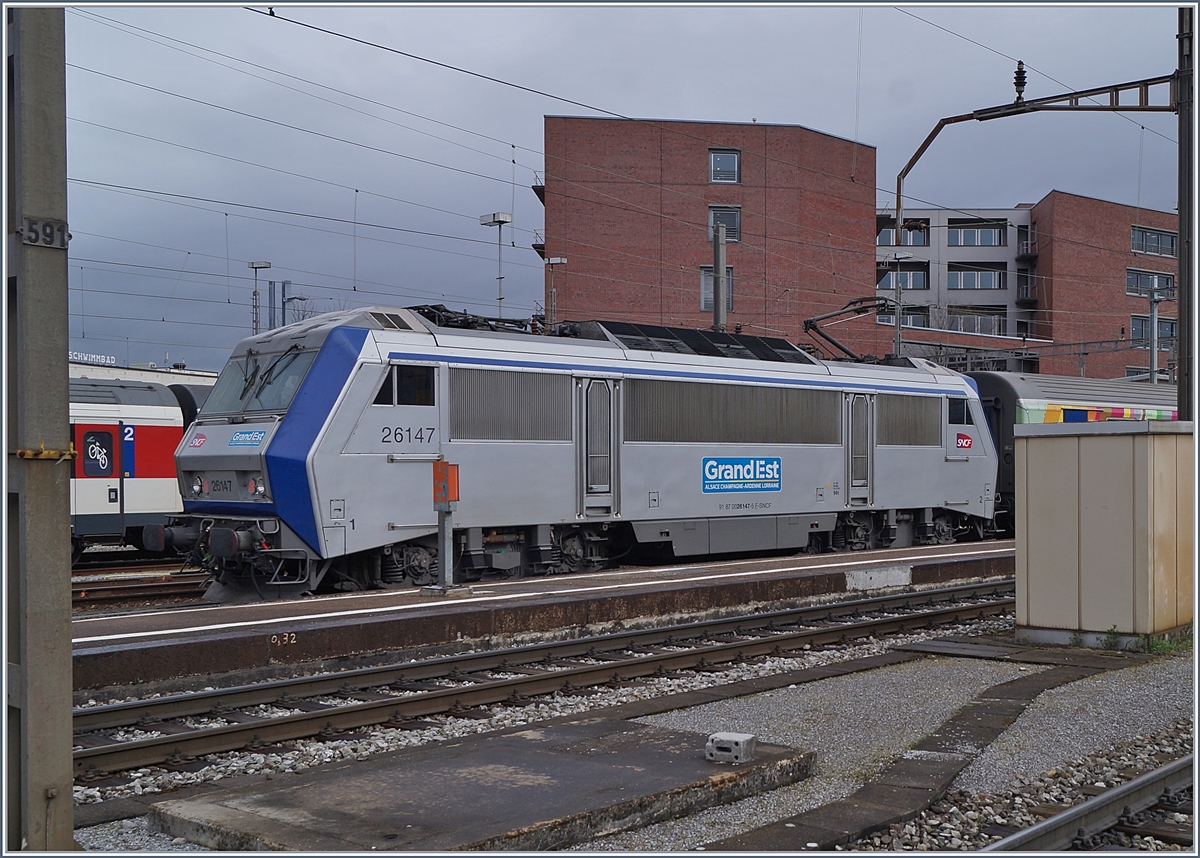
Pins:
x,y
132,589
1128,808
176,729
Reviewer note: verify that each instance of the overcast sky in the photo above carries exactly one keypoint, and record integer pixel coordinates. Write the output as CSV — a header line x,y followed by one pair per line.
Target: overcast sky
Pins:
x,y
200,139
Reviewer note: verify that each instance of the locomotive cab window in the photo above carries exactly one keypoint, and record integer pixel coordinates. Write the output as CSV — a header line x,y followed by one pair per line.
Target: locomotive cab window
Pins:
x,y
960,413
259,382
406,385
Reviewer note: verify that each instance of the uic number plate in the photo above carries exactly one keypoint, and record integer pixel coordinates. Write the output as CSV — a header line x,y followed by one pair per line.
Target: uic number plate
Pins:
x,y
45,233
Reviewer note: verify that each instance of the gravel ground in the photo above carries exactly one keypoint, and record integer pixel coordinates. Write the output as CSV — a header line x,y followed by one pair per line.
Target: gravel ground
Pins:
x,y
1064,724
892,706
830,716
1074,720
959,820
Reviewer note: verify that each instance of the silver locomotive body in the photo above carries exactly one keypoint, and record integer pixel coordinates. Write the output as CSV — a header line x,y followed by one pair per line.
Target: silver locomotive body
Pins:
x,y
311,463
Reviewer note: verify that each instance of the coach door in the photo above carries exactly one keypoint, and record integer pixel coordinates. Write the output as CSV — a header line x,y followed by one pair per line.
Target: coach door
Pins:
x,y
597,466
859,439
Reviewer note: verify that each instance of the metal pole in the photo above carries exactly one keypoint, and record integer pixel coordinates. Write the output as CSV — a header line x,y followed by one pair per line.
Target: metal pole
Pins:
x,y
719,284
446,545
271,305
1185,201
1154,335
899,306
499,271
254,315
283,299
38,812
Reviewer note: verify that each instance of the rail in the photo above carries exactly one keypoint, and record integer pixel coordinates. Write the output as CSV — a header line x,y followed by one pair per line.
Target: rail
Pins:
x,y
1100,813
396,694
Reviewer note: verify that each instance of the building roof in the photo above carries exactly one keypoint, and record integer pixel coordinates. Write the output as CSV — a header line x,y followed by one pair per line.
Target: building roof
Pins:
x,y
708,122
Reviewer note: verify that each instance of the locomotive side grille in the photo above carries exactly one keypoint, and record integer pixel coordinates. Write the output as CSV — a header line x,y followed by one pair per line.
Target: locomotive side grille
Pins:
x,y
908,420
498,405
688,412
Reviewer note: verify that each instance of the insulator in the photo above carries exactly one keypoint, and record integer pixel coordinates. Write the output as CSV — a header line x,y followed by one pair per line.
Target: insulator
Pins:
x,y
1019,80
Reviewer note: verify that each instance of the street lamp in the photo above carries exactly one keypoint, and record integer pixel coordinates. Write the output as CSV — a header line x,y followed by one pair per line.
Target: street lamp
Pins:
x,y
498,220
896,257
287,301
254,312
552,303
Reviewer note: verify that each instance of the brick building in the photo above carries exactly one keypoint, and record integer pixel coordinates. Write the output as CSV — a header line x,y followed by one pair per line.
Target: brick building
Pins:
x,y
1061,286
630,205
1096,264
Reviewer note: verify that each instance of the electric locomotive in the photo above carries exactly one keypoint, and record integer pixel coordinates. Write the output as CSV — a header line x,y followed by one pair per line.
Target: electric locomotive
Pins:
x,y
310,464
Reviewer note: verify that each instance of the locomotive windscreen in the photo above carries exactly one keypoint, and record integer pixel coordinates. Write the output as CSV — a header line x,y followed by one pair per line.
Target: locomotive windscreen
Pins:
x,y
259,382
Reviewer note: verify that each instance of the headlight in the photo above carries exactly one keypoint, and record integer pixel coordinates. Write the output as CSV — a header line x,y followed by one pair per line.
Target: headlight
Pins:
x,y
255,486
197,484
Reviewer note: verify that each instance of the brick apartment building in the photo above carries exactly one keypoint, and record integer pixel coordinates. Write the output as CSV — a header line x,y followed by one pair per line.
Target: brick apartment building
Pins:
x,y
630,205
1059,286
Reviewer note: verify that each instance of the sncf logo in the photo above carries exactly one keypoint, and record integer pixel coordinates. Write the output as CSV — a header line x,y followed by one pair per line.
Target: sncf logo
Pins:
x,y
199,439
964,441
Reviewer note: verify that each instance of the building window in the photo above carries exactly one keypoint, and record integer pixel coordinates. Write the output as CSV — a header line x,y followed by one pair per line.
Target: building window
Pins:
x,y
1142,283
724,166
914,234
1142,373
1139,329
1155,241
911,276
979,276
730,216
910,317
977,320
706,288
977,234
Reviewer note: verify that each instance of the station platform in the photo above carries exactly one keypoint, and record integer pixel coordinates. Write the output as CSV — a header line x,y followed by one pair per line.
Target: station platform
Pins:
x,y
244,642
539,788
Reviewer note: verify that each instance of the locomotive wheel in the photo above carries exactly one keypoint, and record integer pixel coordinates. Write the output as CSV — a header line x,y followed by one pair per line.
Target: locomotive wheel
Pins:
x,y
76,549
943,530
573,551
420,566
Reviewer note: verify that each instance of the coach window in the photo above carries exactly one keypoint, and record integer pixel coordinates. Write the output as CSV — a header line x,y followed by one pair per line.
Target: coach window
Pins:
x,y
960,413
406,385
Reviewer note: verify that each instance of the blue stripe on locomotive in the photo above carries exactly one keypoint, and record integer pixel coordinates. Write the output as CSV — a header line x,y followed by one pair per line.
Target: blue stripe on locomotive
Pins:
x,y
287,456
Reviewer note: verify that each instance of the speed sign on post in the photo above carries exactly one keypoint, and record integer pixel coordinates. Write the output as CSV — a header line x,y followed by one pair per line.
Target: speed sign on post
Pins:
x,y
45,233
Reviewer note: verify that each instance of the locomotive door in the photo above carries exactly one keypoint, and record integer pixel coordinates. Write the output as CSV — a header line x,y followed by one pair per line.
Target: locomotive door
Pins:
x,y
860,461
597,466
